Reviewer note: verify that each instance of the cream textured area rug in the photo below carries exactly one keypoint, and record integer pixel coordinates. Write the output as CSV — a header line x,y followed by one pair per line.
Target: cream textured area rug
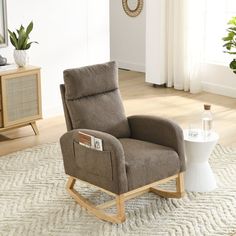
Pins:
x,y
33,201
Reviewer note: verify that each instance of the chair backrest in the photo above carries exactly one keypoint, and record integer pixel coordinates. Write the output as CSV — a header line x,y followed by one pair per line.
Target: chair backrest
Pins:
x,y
92,100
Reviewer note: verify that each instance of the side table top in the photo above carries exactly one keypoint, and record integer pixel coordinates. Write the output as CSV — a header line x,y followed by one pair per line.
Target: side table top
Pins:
x,y
200,137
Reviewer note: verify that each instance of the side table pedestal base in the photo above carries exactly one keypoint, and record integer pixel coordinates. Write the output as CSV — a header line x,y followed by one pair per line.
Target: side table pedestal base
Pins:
x,y
199,177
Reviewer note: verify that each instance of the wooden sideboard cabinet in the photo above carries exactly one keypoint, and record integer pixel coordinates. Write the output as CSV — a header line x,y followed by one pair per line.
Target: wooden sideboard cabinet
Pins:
x,y
20,98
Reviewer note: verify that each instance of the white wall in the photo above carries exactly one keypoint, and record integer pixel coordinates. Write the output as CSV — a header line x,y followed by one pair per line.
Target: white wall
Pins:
x,y
70,33
127,37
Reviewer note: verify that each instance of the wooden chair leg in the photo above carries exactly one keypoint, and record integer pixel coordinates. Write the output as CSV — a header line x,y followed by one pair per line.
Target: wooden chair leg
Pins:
x,y
118,218
120,204
35,128
180,185
169,194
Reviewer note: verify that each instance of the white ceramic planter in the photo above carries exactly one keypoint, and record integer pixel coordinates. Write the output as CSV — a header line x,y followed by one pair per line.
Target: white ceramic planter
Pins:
x,y
21,57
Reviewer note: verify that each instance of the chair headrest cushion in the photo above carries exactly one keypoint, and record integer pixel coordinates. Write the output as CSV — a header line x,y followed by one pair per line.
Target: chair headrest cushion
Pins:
x,y
90,80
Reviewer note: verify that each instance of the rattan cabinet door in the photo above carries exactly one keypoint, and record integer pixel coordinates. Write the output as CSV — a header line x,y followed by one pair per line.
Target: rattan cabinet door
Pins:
x,y
21,98
1,112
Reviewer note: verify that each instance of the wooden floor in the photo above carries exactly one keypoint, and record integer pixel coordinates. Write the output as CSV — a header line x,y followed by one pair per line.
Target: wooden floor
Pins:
x,y
140,98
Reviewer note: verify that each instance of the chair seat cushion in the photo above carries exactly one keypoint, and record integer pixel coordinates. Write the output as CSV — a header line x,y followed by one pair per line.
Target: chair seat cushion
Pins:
x,y
148,162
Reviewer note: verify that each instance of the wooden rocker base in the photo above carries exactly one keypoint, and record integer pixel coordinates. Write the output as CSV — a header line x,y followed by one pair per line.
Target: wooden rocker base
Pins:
x,y
119,200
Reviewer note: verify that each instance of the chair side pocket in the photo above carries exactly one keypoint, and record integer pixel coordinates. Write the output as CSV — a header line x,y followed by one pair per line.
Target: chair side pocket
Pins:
x,y
95,162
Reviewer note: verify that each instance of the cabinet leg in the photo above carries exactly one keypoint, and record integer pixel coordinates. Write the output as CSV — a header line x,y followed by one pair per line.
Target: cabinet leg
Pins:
x,y
35,128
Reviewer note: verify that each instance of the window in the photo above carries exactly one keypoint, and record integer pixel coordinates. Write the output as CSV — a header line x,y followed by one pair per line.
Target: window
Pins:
x,y
218,13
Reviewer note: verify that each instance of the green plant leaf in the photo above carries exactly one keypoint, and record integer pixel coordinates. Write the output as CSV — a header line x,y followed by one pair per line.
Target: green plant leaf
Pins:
x,y
13,39
17,44
232,21
29,45
226,44
35,42
232,64
13,42
232,53
21,38
232,28
22,27
26,36
231,33
29,28
25,43
227,38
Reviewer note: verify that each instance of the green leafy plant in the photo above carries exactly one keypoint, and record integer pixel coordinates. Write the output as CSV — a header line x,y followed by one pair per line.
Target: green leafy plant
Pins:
x,y
230,44
20,38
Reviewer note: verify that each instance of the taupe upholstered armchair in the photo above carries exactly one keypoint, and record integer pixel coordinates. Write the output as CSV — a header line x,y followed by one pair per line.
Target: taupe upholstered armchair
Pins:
x,y
139,152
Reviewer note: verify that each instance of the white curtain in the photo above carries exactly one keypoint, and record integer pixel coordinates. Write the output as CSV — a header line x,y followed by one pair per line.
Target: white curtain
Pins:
x,y
184,43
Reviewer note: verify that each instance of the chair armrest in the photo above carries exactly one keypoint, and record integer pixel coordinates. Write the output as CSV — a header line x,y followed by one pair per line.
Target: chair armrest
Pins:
x,y
110,143
160,131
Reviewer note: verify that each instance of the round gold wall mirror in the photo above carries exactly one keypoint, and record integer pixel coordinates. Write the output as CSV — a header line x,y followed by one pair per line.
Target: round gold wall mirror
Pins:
x,y
132,7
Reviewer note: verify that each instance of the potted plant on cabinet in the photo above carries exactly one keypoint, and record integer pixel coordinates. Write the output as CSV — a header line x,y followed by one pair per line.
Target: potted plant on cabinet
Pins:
x,y
230,42
20,40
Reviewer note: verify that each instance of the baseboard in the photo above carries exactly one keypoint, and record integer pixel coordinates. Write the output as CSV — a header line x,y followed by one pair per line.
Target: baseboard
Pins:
x,y
219,89
131,66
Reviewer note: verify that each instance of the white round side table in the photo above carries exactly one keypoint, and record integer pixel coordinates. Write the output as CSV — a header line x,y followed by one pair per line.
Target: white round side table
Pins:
x,y
199,176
